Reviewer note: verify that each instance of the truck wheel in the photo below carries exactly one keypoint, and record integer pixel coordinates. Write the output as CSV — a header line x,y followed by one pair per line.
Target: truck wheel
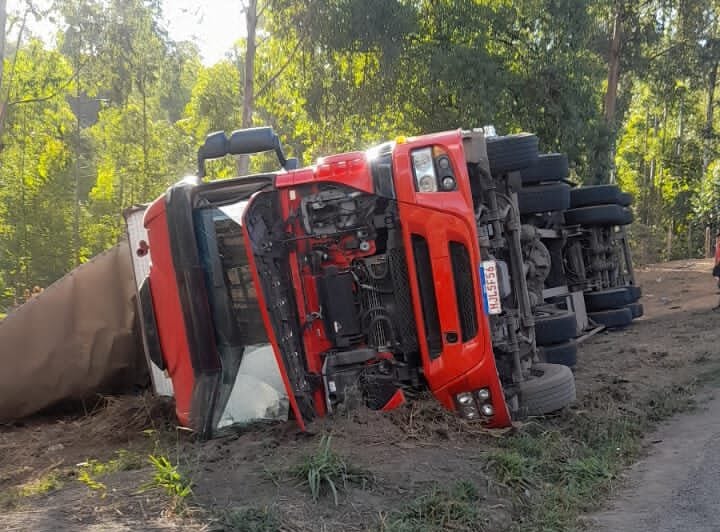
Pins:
x,y
549,167
626,199
551,388
607,299
619,317
555,328
511,152
565,353
636,309
544,198
598,215
595,195
634,293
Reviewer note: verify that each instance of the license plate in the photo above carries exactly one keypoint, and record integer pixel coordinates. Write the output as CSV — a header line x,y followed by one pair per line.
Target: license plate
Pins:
x,y
490,287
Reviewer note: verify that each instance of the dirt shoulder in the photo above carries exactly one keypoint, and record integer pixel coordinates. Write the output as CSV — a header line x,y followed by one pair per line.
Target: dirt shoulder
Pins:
x,y
414,469
677,486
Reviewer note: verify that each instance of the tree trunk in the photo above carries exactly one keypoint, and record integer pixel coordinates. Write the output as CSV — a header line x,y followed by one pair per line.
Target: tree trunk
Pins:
x,y
708,132
146,162
5,92
78,144
248,102
606,168
3,23
708,243
613,69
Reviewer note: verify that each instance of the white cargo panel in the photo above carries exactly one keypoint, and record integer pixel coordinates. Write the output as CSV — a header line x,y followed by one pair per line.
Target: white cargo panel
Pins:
x,y
162,385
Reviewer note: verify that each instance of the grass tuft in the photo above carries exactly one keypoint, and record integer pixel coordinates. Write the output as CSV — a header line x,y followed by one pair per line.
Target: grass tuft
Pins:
x,y
557,468
42,485
47,483
457,508
91,470
327,472
249,520
168,478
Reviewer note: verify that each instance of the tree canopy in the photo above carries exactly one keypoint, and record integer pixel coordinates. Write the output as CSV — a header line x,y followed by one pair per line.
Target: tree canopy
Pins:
x,y
111,111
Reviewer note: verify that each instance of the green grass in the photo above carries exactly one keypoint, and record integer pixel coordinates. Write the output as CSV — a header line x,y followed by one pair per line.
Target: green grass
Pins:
x,y
250,520
555,469
167,477
325,472
47,483
41,486
457,508
89,471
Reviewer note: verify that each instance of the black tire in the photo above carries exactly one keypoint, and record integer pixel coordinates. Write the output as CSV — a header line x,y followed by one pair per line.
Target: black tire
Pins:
x,y
635,292
595,195
555,328
544,198
565,353
607,299
511,152
552,388
549,167
626,199
598,215
636,309
619,317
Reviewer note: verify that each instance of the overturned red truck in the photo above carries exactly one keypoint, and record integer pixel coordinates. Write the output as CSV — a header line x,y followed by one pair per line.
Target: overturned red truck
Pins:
x,y
359,280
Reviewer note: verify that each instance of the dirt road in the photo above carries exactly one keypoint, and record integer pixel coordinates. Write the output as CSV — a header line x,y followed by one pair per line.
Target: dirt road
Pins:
x,y
414,469
677,487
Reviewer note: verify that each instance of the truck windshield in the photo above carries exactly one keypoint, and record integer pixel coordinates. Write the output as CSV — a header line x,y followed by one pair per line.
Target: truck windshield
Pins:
x,y
251,386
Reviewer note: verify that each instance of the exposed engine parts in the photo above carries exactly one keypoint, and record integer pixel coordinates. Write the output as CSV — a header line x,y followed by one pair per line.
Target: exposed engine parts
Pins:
x,y
537,261
500,238
596,258
348,252
333,211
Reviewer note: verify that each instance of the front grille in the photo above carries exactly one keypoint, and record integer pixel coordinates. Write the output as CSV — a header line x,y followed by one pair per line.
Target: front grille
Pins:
x,y
404,318
464,290
380,332
427,295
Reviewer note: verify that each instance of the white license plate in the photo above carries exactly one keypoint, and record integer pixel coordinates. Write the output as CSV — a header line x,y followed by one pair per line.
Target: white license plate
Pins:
x,y
490,287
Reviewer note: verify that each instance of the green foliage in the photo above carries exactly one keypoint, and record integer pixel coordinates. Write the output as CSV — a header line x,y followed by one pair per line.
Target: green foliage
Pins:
x,y
334,75
46,483
326,471
167,477
86,478
41,486
91,470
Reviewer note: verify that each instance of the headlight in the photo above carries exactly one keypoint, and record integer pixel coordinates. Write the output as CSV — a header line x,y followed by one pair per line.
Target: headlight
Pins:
x,y
448,183
466,406
424,169
472,405
464,398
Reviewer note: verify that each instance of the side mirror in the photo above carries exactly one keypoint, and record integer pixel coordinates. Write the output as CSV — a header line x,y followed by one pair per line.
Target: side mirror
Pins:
x,y
257,140
253,140
214,147
242,142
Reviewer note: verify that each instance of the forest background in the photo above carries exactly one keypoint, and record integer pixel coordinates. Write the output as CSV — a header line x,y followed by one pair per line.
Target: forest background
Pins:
x,y
110,110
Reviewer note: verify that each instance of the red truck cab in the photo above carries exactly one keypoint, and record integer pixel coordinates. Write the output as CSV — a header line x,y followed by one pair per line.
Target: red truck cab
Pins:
x,y
355,280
